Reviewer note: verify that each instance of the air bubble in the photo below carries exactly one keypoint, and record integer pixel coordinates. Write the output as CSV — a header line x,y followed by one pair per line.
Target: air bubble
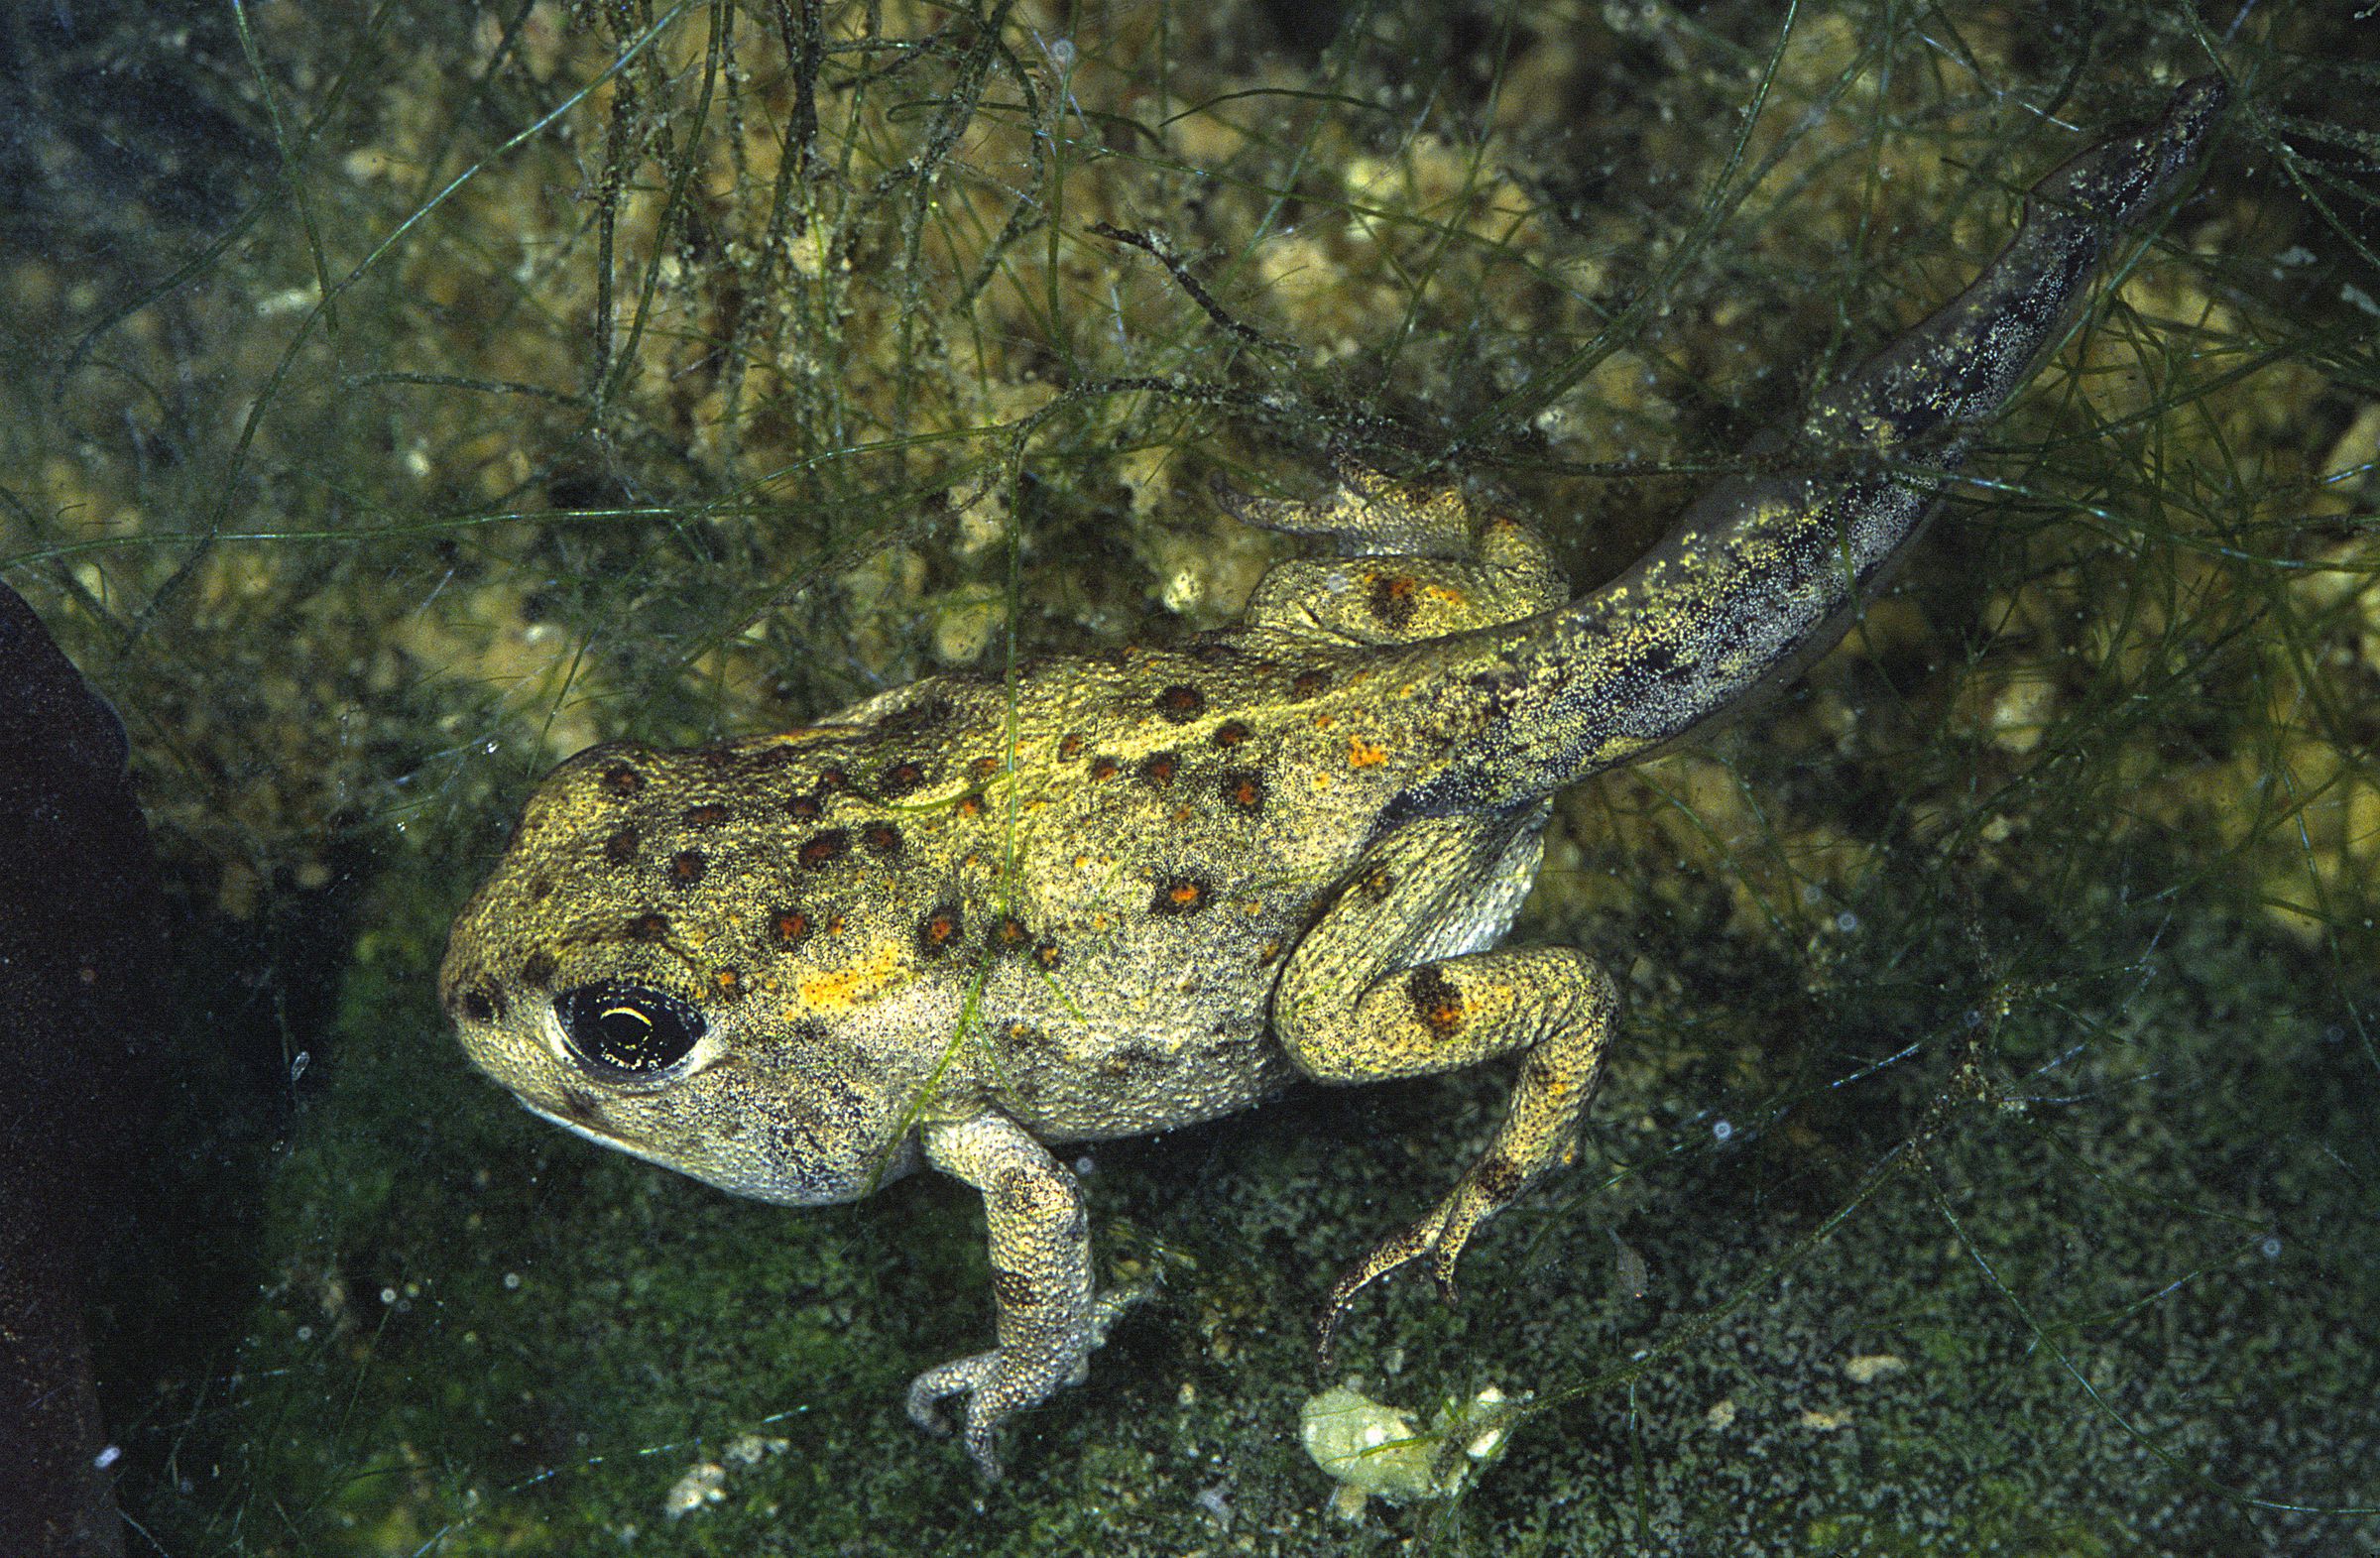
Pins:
x,y
1721,1130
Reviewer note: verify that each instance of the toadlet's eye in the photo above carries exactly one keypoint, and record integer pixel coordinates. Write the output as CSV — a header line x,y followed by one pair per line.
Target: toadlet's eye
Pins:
x,y
626,1027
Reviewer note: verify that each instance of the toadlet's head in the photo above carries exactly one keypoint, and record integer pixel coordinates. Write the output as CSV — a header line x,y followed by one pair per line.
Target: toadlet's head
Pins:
x,y
650,965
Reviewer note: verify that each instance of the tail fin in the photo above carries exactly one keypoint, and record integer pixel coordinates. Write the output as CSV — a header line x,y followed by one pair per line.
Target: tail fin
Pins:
x,y
1763,573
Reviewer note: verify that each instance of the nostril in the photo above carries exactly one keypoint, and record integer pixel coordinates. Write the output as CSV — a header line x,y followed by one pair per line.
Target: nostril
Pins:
x,y
480,1004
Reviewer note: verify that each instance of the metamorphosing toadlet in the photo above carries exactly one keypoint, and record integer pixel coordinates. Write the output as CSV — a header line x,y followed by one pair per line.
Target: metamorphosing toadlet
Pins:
x,y
1125,891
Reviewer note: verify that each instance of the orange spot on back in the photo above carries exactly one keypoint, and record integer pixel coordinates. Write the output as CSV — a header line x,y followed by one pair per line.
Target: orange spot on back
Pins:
x,y
855,983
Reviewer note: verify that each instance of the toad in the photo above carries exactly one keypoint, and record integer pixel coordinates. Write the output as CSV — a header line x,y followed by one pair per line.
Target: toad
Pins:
x,y
968,920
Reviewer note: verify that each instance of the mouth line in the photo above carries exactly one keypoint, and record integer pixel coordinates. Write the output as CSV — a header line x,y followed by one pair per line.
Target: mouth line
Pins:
x,y
599,1138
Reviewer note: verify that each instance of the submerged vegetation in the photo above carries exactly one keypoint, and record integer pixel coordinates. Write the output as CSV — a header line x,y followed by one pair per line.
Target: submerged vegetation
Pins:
x,y
403,396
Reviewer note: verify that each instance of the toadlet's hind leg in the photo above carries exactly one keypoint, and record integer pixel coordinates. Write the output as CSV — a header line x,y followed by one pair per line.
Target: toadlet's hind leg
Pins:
x,y
1421,561
1390,982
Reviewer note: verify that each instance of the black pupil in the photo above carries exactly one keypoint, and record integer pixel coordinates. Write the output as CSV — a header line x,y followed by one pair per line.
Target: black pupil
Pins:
x,y
623,1028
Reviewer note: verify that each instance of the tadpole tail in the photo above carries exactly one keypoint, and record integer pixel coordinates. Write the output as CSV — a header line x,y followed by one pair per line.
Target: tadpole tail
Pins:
x,y
1763,573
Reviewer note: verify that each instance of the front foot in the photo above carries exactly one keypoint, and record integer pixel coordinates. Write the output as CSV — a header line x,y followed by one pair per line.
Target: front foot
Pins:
x,y
997,1387
989,1399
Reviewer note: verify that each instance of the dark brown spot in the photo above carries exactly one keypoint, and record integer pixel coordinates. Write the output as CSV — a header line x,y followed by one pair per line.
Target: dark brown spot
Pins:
x,y
1437,1004
1009,933
1231,733
620,781
1047,954
648,927
1212,651
538,970
924,715
1104,768
899,779
940,929
970,806
790,927
832,779
710,814
482,1002
584,1108
1392,599
805,808
1180,895
800,1143
686,868
621,848
1306,684
1499,1179
1501,688
540,888
1135,1060
984,767
1181,702
728,980
1242,790
1015,1291
1159,769
882,838
824,849
1375,884
1070,747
